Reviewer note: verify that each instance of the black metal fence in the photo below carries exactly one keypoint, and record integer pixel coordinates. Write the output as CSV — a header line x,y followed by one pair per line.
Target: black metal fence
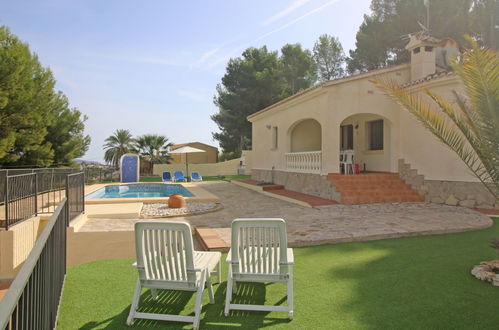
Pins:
x,y
21,197
26,195
50,180
99,174
75,193
33,298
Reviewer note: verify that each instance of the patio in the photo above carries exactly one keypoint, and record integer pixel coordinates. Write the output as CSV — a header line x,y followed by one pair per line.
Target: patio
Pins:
x,y
324,224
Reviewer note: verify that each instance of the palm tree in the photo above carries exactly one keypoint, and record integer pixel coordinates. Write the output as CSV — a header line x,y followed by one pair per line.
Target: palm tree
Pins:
x,y
471,128
117,145
153,148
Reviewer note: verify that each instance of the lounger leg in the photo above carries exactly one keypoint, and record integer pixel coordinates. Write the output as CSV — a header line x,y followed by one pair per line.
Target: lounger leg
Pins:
x,y
228,292
290,293
210,288
154,294
219,272
135,302
199,301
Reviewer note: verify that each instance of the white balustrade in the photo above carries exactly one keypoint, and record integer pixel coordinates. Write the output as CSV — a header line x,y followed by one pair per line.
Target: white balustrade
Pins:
x,y
304,162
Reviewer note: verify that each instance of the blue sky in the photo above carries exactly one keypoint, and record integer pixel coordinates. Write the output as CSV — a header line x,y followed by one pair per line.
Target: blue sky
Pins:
x,y
152,66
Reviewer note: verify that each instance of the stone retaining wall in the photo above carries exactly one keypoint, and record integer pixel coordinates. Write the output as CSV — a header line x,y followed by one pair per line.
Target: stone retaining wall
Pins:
x,y
312,184
468,194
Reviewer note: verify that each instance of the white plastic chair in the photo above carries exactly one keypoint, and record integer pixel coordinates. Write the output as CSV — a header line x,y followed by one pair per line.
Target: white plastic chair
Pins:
x,y
166,260
259,253
348,161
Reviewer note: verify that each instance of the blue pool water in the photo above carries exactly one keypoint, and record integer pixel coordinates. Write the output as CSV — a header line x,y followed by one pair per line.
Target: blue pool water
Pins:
x,y
140,190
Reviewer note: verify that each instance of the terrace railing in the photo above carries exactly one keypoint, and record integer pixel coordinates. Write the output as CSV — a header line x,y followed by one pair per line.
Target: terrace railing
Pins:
x,y
51,181
304,162
75,194
26,195
33,298
21,198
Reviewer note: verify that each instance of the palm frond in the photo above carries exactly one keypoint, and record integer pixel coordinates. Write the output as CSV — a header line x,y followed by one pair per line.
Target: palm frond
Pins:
x,y
449,126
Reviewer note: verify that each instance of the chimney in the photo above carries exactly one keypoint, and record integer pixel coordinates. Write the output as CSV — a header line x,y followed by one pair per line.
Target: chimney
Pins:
x,y
423,58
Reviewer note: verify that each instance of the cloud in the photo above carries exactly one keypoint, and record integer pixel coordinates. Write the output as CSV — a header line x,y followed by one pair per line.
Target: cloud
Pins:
x,y
296,20
204,58
294,5
223,58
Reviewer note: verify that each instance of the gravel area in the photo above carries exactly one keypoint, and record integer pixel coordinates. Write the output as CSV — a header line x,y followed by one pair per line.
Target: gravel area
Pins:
x,y
163,211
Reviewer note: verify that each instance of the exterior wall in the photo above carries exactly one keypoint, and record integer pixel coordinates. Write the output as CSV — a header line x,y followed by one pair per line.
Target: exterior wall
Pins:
x,y
312,184
229,167
330,105
91,246
306,136
424,151
468,194
208,157
16,244
264,156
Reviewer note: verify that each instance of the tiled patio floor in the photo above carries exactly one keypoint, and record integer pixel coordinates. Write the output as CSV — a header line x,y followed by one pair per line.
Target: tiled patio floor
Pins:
x,y
324,224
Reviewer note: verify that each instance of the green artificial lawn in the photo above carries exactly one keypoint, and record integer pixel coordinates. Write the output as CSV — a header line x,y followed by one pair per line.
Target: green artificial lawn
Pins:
x,y
408,283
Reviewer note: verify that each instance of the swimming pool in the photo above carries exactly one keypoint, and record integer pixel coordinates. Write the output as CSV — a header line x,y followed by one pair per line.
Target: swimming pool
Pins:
x,y
139,190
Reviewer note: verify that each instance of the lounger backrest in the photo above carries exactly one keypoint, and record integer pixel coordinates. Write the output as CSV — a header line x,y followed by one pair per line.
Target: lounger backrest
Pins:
x,y
164,251
167,176
195,176
178,175
259,246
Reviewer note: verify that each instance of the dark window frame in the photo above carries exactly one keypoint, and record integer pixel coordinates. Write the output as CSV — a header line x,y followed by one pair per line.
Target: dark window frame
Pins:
x,y
375,135
346,131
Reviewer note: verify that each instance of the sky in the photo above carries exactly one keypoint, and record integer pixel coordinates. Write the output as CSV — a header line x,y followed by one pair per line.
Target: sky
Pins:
x,y
152,66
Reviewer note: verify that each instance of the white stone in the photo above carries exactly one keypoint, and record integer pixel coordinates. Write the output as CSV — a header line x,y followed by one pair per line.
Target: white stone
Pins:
x,y
162,210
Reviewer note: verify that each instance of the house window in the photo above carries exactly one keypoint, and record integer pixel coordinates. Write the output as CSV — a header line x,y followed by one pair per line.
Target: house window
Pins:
x,y
415,50
375,135
274,137
428,48
346,137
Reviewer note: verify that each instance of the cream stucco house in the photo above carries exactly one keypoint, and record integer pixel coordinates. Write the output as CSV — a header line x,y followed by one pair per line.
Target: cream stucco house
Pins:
x,y
297,141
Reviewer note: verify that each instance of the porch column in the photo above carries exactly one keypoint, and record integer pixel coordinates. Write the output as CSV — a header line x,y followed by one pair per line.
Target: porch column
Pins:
x,y
330,147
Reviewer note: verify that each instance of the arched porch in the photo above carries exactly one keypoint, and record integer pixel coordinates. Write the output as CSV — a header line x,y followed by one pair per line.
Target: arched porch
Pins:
x,y
304,152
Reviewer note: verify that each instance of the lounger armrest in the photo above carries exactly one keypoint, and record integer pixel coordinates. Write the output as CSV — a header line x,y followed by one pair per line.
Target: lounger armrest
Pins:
x,y
134,265
291,258
195,269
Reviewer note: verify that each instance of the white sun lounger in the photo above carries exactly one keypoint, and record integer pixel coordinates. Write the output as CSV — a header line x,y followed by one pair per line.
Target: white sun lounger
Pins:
x,y
259,253
166,260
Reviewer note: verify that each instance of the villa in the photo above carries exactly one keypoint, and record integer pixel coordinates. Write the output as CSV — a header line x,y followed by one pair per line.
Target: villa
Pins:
x,y
297,141
67,244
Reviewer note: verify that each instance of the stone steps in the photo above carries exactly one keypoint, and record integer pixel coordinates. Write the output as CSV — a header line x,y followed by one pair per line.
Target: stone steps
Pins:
x,y
373,188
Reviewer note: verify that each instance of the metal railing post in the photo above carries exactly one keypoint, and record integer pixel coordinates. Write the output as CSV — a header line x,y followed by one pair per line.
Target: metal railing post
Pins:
x,y
36,193
67,194
83,193
6,203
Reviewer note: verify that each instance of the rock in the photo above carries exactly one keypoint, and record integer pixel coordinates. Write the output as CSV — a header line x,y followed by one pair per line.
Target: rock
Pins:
x,y
486,272
451,200
467,203
437,200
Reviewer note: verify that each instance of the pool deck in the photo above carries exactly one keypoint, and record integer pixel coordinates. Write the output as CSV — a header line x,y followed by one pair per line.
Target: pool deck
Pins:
x,y
316,225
